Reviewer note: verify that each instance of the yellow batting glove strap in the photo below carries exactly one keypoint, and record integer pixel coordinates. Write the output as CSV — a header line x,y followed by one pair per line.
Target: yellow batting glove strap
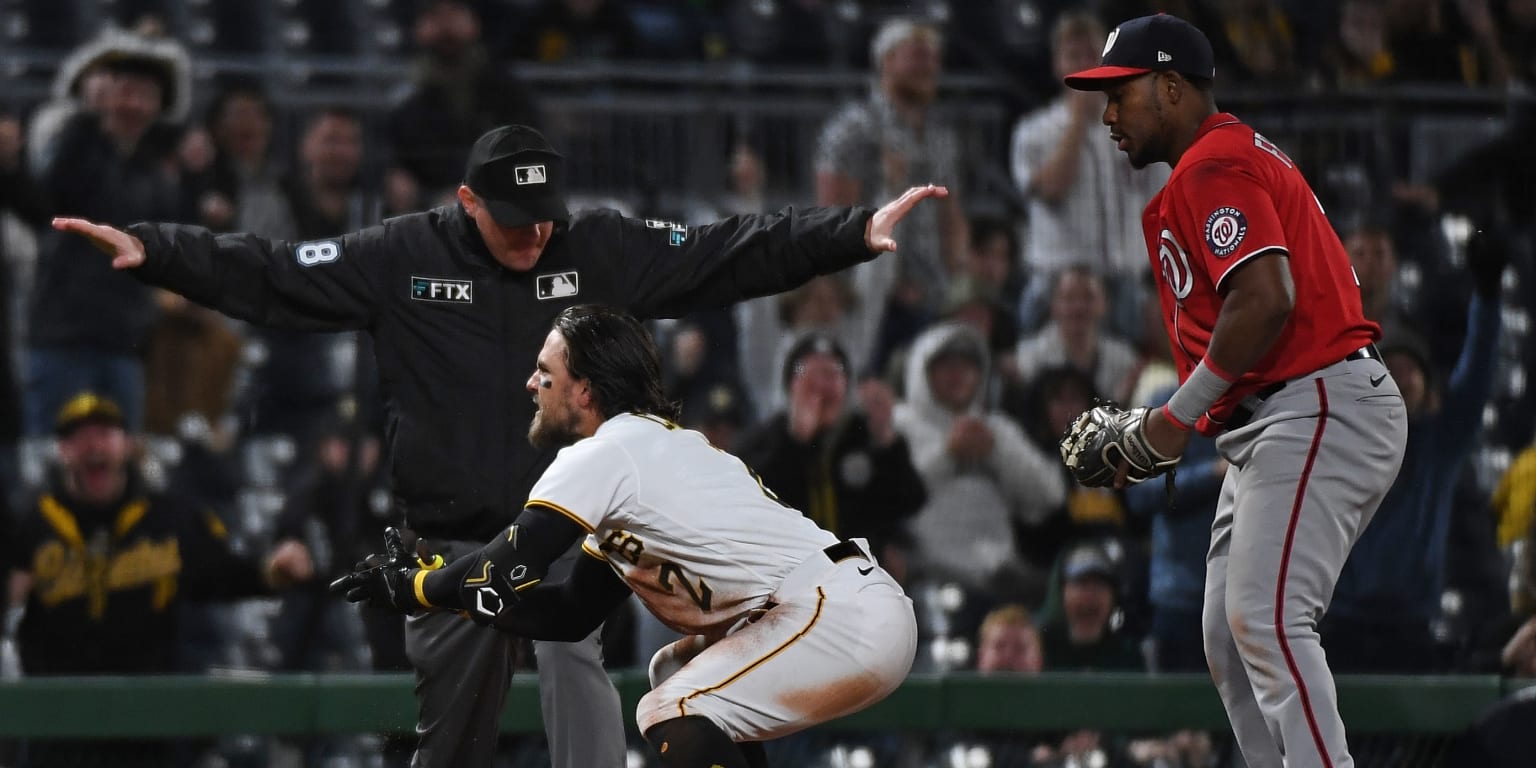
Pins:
x,y
419,581
434,564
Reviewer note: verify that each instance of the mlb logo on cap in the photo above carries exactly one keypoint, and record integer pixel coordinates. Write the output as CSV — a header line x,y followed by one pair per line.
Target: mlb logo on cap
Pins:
x,y
1160,43
529,174
518,175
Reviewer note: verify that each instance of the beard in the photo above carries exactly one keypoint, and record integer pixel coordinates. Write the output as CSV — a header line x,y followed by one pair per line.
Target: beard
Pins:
x,y
550,431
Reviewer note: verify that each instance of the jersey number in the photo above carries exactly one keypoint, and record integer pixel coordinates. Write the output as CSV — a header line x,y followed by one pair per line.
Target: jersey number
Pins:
x,y
1269,146
319,252
625,545
703,597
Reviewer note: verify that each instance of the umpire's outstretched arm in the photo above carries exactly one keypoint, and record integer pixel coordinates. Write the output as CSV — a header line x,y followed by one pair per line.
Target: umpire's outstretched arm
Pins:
x,y
323,285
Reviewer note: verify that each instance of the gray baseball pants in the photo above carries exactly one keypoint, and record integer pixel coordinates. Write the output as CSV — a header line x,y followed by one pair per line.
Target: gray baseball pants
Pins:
x,y
1307,473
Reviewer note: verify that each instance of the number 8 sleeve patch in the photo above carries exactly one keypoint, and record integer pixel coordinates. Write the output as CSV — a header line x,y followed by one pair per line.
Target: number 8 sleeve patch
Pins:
x,y
1225,229
317,252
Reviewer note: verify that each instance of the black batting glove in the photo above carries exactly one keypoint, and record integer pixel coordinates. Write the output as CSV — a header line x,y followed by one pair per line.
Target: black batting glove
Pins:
x,y
385,580
1487,256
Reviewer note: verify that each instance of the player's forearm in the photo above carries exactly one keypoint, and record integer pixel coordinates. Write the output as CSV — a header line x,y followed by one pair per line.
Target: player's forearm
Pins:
x,y
440,588
1254,313
545,611
554,612
562,611
502,574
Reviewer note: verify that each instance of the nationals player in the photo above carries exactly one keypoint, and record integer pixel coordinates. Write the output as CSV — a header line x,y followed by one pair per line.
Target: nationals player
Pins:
x,y
1275,356
787,626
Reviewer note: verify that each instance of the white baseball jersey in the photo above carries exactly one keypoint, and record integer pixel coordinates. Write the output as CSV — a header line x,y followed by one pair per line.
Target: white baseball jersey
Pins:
x,y
688,526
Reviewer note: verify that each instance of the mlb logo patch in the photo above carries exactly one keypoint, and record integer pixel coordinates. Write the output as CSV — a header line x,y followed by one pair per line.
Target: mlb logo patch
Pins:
x,y
557,286
529,174
442,289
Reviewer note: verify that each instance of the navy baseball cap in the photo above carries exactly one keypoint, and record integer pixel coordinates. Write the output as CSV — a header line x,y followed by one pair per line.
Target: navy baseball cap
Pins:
x,y
1158,43
519,175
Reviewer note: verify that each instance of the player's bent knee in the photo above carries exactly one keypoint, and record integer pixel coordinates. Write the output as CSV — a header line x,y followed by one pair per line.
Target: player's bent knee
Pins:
x,y
655,707
693,741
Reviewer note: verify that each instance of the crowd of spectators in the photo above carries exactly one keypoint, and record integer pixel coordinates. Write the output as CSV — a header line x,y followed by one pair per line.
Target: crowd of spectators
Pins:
x,y
1325,43
914,401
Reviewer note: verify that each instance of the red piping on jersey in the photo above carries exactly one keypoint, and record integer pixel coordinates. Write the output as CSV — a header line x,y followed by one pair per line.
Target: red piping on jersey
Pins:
x,y
1285,561
1179,337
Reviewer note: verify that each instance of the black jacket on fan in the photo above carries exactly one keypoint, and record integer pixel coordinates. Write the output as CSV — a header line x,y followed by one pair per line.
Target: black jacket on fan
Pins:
x,y
78,301
108,580
456,334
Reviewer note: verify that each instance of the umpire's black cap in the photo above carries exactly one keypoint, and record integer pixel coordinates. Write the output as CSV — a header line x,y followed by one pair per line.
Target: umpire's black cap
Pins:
x,y
1157,43
519,175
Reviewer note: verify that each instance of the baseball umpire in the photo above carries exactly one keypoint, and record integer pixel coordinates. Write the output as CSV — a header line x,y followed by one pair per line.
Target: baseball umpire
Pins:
x,y
1276,357
786,626
458,300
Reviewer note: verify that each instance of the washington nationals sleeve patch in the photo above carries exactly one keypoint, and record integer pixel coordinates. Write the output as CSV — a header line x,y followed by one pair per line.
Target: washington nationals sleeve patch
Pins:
x,y
1225,229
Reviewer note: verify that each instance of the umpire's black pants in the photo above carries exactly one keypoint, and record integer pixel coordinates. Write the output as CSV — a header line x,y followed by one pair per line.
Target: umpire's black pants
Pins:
x,y
463,671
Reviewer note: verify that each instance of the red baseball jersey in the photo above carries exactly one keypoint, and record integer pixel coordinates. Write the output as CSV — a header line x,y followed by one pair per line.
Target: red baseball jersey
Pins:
x,y
1232,197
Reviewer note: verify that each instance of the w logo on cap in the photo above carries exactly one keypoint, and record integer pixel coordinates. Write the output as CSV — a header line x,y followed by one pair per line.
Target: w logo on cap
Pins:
x,y
1156,43
529,174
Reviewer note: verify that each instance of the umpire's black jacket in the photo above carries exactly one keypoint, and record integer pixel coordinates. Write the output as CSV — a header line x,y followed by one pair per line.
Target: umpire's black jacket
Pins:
x,y
457,335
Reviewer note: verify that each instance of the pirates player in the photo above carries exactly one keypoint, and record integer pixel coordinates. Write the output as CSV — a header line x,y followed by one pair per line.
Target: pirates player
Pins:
x,y
787,626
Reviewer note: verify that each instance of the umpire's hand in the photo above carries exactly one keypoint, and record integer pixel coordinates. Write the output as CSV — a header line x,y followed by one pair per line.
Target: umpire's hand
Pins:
x,y
877,234
126,250
385,580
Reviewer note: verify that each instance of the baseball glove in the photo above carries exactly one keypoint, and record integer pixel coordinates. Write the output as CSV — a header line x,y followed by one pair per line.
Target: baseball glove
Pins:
x,y
1102,437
